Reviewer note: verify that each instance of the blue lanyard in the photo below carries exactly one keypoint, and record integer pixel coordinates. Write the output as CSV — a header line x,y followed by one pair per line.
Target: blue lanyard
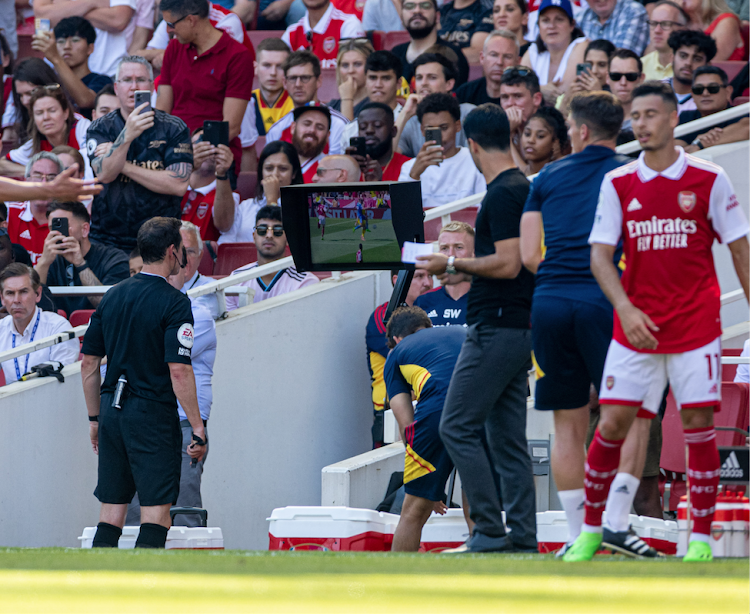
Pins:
x,y
15,360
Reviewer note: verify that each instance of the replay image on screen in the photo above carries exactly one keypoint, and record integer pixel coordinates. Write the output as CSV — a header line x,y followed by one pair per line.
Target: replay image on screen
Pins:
x,y
352,227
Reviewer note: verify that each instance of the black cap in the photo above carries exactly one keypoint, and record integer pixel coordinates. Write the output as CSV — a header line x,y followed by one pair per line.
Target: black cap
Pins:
x,y
299,111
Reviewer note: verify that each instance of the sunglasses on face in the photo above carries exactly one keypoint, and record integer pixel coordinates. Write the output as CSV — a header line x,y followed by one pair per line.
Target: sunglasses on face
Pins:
x,y
713,88
263,229
630,76
173,24
50,88
521,71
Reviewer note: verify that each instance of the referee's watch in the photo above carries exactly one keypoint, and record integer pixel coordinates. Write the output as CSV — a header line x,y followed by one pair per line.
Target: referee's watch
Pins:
x,y
450,268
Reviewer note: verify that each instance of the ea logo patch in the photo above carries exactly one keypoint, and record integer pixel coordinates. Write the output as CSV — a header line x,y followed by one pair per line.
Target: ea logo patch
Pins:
x,y
686,201
610,382
90,147
329,44
185,335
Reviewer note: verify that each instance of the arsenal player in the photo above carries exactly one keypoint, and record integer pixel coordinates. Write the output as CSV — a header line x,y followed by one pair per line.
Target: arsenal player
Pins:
x,y
320,31
667,207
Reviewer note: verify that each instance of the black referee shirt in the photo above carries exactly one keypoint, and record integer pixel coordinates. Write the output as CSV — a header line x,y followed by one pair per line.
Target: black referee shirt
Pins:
x,y
142,324
124,205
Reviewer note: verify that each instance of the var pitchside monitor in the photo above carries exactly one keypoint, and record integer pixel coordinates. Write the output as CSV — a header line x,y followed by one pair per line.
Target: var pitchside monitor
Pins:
x,y
351,226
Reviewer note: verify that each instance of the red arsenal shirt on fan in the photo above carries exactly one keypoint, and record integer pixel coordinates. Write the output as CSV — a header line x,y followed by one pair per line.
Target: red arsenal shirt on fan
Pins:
x,y
332,27
668,222
393,169
25,230
198,208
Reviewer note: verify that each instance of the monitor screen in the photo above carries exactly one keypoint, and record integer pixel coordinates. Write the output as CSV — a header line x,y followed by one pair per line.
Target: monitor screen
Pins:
x,y
350,226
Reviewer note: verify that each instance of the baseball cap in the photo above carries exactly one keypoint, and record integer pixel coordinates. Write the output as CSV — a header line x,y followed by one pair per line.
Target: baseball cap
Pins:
x,y
299,111
559,4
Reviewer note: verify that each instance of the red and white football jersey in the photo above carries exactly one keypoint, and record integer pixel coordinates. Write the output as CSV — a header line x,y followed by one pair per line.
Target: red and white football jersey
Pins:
x,y
323,40
25,230
198,208
282,131
310,168
220,18
668,222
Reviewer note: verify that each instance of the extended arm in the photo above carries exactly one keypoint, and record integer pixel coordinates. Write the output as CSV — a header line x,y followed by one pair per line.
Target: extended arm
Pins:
x,y
165,99
224,199
403,411
92,381
64,187
45,43
183,384
233,112
531,240
636,325
740,258
505,263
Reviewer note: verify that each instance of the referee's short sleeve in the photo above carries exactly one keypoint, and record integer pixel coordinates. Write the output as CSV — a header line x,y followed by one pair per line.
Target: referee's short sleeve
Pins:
x,y
179,334
93,340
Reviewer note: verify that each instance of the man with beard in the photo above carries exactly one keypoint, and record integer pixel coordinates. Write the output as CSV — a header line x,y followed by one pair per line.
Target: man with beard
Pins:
x,y
310,131
422,22
381,162
692,49
302,81
209,201
270,240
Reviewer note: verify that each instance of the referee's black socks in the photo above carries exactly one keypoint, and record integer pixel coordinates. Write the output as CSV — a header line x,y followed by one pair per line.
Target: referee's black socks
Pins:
x,y
152,536
107,536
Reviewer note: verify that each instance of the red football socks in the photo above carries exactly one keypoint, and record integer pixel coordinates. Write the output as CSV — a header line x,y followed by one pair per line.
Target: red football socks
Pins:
x,y
703,476
601,468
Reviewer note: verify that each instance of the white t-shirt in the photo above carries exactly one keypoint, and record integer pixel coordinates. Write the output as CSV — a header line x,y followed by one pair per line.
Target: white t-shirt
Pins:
x,y
111,46
285,281
456,177
49,323
742,375
244,222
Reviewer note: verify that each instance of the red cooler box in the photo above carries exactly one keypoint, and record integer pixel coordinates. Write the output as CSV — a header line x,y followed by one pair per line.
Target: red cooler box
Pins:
x,y
442,532
335,528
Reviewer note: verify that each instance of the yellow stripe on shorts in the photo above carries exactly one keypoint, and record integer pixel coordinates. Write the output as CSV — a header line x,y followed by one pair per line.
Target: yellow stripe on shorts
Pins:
x,y
415,466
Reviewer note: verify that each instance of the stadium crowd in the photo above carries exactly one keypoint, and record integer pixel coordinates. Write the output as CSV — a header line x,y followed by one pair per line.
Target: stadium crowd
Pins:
x,y
176,113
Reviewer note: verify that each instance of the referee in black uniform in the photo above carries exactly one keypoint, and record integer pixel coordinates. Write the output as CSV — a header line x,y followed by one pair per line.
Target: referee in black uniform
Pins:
x,y
145,328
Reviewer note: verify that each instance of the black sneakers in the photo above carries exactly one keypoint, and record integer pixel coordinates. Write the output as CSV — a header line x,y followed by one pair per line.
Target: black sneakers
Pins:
x,y
628,543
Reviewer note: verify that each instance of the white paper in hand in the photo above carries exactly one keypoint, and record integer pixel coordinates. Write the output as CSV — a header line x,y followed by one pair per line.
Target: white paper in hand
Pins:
x,y
411,250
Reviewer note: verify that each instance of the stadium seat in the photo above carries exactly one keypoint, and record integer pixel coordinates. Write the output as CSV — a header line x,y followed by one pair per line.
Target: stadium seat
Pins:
x,y
81,316
735,404
432,228
232,256
741,100
731,67
376,38
25,34
328,88
475,72
745,34
391,39
247,182
63,313
2,377
258,35
206,267
260,144
729,371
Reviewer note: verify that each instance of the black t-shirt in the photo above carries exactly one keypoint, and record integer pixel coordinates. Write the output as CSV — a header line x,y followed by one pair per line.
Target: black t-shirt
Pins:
x,y
408,71
122,207
692,115
457,26
475,92
96,82
336,105
505,303
109,264
141,325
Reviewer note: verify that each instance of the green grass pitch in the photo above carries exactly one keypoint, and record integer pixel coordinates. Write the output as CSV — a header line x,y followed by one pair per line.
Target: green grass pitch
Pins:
x,y
105,581
341,241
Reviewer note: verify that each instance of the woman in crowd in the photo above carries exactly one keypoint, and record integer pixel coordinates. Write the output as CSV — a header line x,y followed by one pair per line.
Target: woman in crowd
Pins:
x,y
350,77
29,74
556,51
594,79
512,15
52,123
715,18
278,166
544,139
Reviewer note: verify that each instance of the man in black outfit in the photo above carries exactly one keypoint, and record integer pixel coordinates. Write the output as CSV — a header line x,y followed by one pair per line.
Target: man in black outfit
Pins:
x,y
500,51
73,260
422,21
488,388
143,156
145,328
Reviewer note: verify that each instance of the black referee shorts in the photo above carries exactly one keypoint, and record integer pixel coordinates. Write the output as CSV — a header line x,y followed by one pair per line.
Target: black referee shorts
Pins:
x,y
140,448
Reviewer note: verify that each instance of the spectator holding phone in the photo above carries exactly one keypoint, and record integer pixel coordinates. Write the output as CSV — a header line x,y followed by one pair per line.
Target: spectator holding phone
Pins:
x,y
146,179
70,259
591,75
447,172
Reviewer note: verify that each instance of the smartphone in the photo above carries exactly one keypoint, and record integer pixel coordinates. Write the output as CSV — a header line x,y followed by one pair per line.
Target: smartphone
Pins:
x,y
434,134
582,68
360,143
216,133
42,25
142,96
60,224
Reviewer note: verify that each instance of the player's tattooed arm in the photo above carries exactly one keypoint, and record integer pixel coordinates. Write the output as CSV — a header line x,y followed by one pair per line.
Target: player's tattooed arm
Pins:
x,y
110,159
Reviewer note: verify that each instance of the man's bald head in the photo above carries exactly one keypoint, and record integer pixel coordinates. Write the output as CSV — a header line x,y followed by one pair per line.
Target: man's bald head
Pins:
x,y
337,169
